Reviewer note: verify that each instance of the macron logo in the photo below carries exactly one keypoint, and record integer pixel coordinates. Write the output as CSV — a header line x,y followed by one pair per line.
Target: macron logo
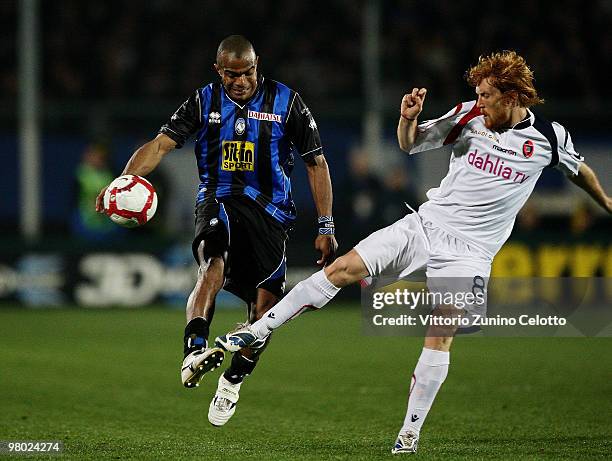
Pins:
x,y
414,418
271,315
505,151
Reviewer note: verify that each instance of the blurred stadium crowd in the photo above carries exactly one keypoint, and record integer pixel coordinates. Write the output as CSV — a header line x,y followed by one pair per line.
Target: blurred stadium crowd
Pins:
x,y
129,64
163,48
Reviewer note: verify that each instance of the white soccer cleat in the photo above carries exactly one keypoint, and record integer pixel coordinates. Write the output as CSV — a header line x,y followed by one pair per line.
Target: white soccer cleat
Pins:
x,y
238,339
223,405
407,442
199,362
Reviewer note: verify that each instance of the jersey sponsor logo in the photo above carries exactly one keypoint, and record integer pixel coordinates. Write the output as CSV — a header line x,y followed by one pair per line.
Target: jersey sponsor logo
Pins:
x,y
528,148
505,151
495,166
264,116
238,156
214,117
240,126
484,134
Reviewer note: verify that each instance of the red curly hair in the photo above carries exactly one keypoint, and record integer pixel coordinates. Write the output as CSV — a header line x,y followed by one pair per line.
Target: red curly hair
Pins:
x,y
509,73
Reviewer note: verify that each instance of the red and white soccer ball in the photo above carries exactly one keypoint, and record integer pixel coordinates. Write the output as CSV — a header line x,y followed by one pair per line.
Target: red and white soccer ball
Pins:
x,y
130,201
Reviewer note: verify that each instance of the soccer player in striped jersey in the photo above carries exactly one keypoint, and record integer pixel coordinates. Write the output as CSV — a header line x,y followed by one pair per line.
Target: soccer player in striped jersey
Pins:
x,y
500,148
246,129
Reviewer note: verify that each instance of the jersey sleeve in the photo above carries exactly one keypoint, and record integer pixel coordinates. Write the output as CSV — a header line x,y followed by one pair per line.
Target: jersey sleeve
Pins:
x,y
432,134
185,122
569,160
302,130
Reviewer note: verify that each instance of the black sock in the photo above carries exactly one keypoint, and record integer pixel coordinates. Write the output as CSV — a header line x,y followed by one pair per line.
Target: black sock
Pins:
x,y
239,369
196,335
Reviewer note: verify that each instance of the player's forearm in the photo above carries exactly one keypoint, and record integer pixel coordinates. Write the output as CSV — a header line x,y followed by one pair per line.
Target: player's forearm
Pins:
x,y
406,133
320,185
146,158
587,180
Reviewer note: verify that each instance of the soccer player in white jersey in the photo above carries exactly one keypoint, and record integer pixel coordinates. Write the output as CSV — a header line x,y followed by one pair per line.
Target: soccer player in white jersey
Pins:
x,y
500,148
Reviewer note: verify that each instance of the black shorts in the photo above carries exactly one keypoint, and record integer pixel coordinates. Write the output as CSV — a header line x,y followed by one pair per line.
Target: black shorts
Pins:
x,y
250,240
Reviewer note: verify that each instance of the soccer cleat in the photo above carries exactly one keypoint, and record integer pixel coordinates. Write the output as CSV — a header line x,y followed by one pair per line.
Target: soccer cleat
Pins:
x,y
223,405
199,362
236,340
407,442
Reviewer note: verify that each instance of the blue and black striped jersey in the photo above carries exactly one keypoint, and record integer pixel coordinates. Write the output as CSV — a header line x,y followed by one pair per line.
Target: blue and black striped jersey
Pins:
x,y
247,149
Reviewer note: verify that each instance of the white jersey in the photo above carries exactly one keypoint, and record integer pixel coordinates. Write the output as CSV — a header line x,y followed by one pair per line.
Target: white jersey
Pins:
x,y
491,174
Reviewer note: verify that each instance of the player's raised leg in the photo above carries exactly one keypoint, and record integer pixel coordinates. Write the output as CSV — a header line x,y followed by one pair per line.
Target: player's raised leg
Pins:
x,y
312,293
394,251
223,405
198,358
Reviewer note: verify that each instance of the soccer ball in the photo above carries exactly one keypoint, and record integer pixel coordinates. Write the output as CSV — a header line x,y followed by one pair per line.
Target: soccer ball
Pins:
x,y
130,201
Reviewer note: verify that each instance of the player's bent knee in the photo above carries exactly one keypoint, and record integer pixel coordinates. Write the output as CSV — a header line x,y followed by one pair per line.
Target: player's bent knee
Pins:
x,y
345,270
210,261
209,249
201,251
439,343
336,272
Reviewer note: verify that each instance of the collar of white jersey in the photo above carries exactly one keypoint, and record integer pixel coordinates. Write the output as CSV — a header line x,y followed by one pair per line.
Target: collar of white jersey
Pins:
x,y
525,123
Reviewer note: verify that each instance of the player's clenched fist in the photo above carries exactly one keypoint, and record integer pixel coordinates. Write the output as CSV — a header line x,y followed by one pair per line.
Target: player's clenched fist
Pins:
x,y
412,103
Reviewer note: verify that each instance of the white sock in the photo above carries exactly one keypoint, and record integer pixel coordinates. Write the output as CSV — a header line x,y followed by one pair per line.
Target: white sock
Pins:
x,y
429,374
314,292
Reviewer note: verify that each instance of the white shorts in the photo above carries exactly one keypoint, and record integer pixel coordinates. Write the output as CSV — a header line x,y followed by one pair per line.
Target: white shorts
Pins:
x,y
409,245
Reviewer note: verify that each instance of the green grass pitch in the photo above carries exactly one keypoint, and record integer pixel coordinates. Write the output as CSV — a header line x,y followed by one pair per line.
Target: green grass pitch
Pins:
x,y
107,384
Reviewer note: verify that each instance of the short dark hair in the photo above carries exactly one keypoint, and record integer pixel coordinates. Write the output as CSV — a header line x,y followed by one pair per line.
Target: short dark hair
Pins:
x,y
238,45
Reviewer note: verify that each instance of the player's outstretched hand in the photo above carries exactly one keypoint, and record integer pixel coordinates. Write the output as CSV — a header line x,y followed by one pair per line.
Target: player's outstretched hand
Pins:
x,y
412,103
100,200
327,245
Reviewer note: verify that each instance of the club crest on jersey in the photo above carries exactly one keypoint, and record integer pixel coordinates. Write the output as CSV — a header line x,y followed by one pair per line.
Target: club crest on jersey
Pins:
x,y
240,126
214,118
528,148
238,156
